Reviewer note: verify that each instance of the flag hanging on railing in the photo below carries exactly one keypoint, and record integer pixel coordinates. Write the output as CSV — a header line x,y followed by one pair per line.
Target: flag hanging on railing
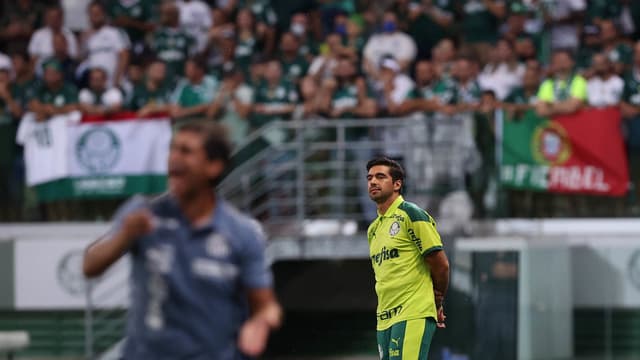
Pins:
x,y
582,153
66,158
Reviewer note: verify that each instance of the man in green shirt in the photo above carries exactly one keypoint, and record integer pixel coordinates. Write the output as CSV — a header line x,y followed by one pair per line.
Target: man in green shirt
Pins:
x,y
619,53
134,17
170,43
523,98
294,65
430,22
275,97
153,95
54,96
25,84
467,89
481,20
194,93
565,92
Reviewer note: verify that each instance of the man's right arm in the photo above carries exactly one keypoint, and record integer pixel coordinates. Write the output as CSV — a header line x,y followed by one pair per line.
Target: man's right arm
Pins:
x,y
101,254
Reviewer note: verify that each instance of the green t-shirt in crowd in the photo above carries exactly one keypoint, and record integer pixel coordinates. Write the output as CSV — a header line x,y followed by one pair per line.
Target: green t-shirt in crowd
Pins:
x,y
139,10
143,96
65,95
173,46
188,94
425,31
261,9
295,69
631,93
478,23
518,96
603,9
273,97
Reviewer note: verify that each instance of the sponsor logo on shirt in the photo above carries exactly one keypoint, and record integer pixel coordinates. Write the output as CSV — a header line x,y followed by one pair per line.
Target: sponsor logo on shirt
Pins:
x,y
394,229
390,313
385,254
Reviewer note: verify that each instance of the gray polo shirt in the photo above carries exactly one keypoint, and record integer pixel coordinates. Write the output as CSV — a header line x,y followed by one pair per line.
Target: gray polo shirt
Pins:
x,y
189,284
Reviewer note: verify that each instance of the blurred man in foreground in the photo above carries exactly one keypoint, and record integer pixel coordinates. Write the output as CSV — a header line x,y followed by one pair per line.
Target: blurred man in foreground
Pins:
x,y
201,288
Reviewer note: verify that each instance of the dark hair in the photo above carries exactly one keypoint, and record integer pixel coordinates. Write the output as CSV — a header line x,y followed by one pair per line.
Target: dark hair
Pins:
x,y
395,169
199,61
216,142
98,4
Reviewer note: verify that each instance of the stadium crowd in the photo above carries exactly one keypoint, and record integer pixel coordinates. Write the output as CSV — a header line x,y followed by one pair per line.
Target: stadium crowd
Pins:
x,y
246,63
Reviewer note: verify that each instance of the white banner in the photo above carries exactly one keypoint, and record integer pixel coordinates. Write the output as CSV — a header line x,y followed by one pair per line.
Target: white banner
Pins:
x,y
48,275
61,147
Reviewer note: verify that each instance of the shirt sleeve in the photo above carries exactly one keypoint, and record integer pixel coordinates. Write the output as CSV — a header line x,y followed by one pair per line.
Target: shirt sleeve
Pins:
x,y
579,88
422,232
545,93
255,273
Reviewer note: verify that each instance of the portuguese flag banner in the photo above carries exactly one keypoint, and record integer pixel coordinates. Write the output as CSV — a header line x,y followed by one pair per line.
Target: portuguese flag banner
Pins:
x,y
582,153
68,156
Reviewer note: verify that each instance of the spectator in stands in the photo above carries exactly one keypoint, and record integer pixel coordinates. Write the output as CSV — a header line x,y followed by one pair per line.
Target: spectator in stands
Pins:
x,y
524,98
99,98
323,65
262,11
24,84
564,18
590,45
505,73
564,92
631,111
41,46
602,10
396,86
195,92
225,59
467,88
134,17
480,25
347,95
484,138
253,40
605,87
300,27
353,38
196,20
9,106
232,105
428,96
294,66
443,57
275,99
311,99
429,23
19,22
170,43
105,46
153,95
389,42
618,52
61,53
54,96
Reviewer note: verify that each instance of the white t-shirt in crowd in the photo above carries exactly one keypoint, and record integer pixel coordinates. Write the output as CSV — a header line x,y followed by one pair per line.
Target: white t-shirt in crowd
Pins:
x,y
564,36
196,20
601,92
109,98
41,43
398,44
103,48
45,146
502,79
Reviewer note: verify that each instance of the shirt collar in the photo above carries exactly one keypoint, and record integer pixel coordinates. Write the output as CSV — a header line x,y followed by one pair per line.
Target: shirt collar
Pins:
x,y
394,205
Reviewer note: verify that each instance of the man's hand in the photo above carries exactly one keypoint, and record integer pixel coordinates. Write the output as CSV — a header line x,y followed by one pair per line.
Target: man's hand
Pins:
x,y
137,224
441,318
252,340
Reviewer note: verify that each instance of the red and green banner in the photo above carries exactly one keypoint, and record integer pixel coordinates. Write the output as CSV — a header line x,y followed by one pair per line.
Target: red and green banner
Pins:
x,y
582,153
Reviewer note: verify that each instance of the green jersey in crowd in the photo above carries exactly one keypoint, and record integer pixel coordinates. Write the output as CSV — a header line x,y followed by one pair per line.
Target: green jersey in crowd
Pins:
x,y
173,46
139,10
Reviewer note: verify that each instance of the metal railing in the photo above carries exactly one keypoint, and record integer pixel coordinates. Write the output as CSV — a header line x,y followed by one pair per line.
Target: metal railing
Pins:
x,y
317,169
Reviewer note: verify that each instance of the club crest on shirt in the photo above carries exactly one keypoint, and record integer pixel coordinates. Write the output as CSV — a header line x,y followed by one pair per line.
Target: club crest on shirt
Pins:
x,y
394,229
218,246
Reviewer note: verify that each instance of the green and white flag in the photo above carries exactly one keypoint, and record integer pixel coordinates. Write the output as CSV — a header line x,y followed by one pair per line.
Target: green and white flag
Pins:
x,y
66,158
